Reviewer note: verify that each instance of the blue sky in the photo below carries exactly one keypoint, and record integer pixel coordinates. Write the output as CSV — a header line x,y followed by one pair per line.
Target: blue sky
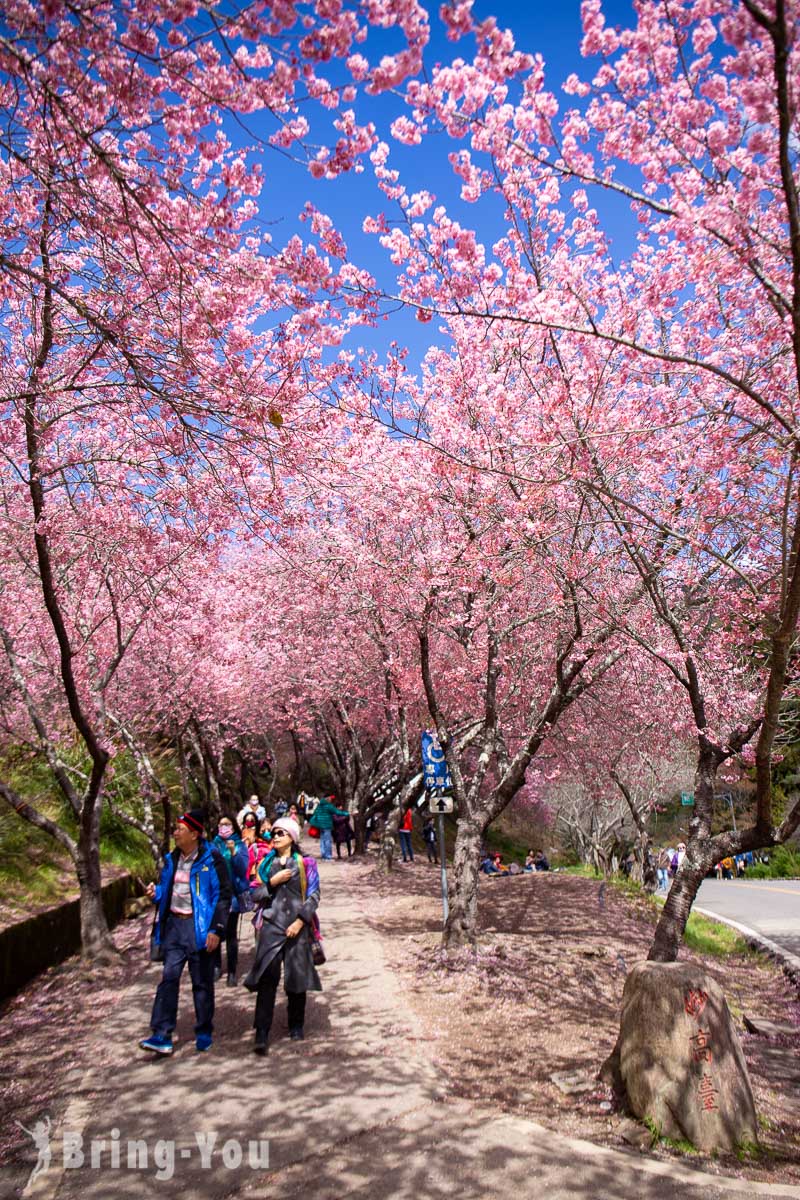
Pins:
x,y
550,29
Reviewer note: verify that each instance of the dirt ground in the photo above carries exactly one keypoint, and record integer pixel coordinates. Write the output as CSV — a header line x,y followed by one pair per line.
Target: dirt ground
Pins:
x,y
49,1034
543,995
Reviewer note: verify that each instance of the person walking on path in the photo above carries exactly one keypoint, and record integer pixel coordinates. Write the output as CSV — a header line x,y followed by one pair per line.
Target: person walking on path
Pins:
x,y
288,896
229,844
343,832
253,806
258,850
429,835
322,820
406,826
193,898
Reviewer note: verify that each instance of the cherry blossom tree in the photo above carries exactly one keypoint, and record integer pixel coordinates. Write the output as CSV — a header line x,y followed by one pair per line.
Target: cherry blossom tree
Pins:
x,y
676,411
133,280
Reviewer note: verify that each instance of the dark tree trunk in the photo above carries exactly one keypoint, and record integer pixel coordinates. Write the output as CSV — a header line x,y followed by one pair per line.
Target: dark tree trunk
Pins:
x,y
389,840
166,809
672,922
699,857
462,923
95,935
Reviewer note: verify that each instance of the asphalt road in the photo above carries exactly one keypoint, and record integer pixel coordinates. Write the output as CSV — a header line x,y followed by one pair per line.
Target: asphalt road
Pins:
x,y
769,906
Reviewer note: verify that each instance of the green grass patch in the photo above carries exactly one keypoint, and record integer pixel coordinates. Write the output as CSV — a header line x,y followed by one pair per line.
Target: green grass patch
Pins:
x,y
706,936
702,934
34,869
682,1145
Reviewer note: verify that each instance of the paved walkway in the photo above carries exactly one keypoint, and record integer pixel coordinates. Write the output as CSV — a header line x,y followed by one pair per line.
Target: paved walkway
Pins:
x,y
355,1110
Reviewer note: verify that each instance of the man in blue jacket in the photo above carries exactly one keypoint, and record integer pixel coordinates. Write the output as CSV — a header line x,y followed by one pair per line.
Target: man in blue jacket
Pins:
x,y
193,898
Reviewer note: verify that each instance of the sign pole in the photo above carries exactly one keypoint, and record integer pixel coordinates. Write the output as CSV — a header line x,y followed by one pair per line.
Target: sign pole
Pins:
x,y
443,859
437,782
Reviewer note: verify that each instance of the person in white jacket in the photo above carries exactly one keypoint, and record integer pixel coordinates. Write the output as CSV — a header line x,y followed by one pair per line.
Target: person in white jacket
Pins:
x,y
254,806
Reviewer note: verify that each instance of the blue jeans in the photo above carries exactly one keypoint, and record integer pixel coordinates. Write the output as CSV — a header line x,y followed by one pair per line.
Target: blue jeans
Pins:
x,y
179,948
326,843
405,845
663,880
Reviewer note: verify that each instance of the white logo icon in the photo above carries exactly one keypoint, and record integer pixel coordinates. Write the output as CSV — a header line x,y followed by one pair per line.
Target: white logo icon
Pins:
x,y
40,1136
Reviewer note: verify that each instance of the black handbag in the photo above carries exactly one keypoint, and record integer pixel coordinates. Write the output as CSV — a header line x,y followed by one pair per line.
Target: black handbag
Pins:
x,y
317,953
156,947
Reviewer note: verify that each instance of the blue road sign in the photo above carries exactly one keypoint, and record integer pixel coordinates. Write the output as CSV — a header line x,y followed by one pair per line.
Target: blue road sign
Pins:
x,y
434,767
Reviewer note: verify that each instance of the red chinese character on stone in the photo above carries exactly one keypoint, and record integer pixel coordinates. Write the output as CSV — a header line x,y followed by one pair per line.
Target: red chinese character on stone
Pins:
x,y
695,1001
700,1043
707,1093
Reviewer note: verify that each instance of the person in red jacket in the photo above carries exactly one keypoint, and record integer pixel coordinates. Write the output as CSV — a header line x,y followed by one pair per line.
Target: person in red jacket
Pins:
x,y
406,826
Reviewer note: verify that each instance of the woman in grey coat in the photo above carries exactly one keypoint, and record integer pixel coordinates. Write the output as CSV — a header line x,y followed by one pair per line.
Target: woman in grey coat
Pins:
x,y
288,897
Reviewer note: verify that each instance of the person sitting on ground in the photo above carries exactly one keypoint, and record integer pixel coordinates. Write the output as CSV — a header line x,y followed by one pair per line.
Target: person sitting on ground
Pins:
x,y
487,866
541,862
530,860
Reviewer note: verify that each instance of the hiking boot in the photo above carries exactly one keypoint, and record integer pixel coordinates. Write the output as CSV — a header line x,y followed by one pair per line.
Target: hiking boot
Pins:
x,y
260,1045
158,1044
297,1034
231,979
203,1042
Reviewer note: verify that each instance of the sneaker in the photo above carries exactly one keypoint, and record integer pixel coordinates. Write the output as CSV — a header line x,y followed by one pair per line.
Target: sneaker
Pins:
x,y
260,1046
203,1041
231,979
159,1045
297,1034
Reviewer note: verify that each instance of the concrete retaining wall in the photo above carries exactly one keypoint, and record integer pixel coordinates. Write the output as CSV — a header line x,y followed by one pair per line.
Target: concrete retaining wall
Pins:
x,y
41,941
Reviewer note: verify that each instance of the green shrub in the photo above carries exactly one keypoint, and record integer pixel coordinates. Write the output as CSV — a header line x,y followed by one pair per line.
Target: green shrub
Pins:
x,y
784,863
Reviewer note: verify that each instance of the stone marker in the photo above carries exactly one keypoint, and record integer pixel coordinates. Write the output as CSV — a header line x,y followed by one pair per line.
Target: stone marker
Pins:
x,y
680,1058
770,1029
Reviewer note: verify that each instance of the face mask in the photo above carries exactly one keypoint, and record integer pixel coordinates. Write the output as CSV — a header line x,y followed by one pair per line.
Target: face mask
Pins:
x,y
225,831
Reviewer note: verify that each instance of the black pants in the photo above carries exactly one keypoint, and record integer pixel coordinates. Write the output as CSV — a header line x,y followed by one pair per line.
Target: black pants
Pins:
x,y
231,940
180,947
432,855
265,999
349,847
